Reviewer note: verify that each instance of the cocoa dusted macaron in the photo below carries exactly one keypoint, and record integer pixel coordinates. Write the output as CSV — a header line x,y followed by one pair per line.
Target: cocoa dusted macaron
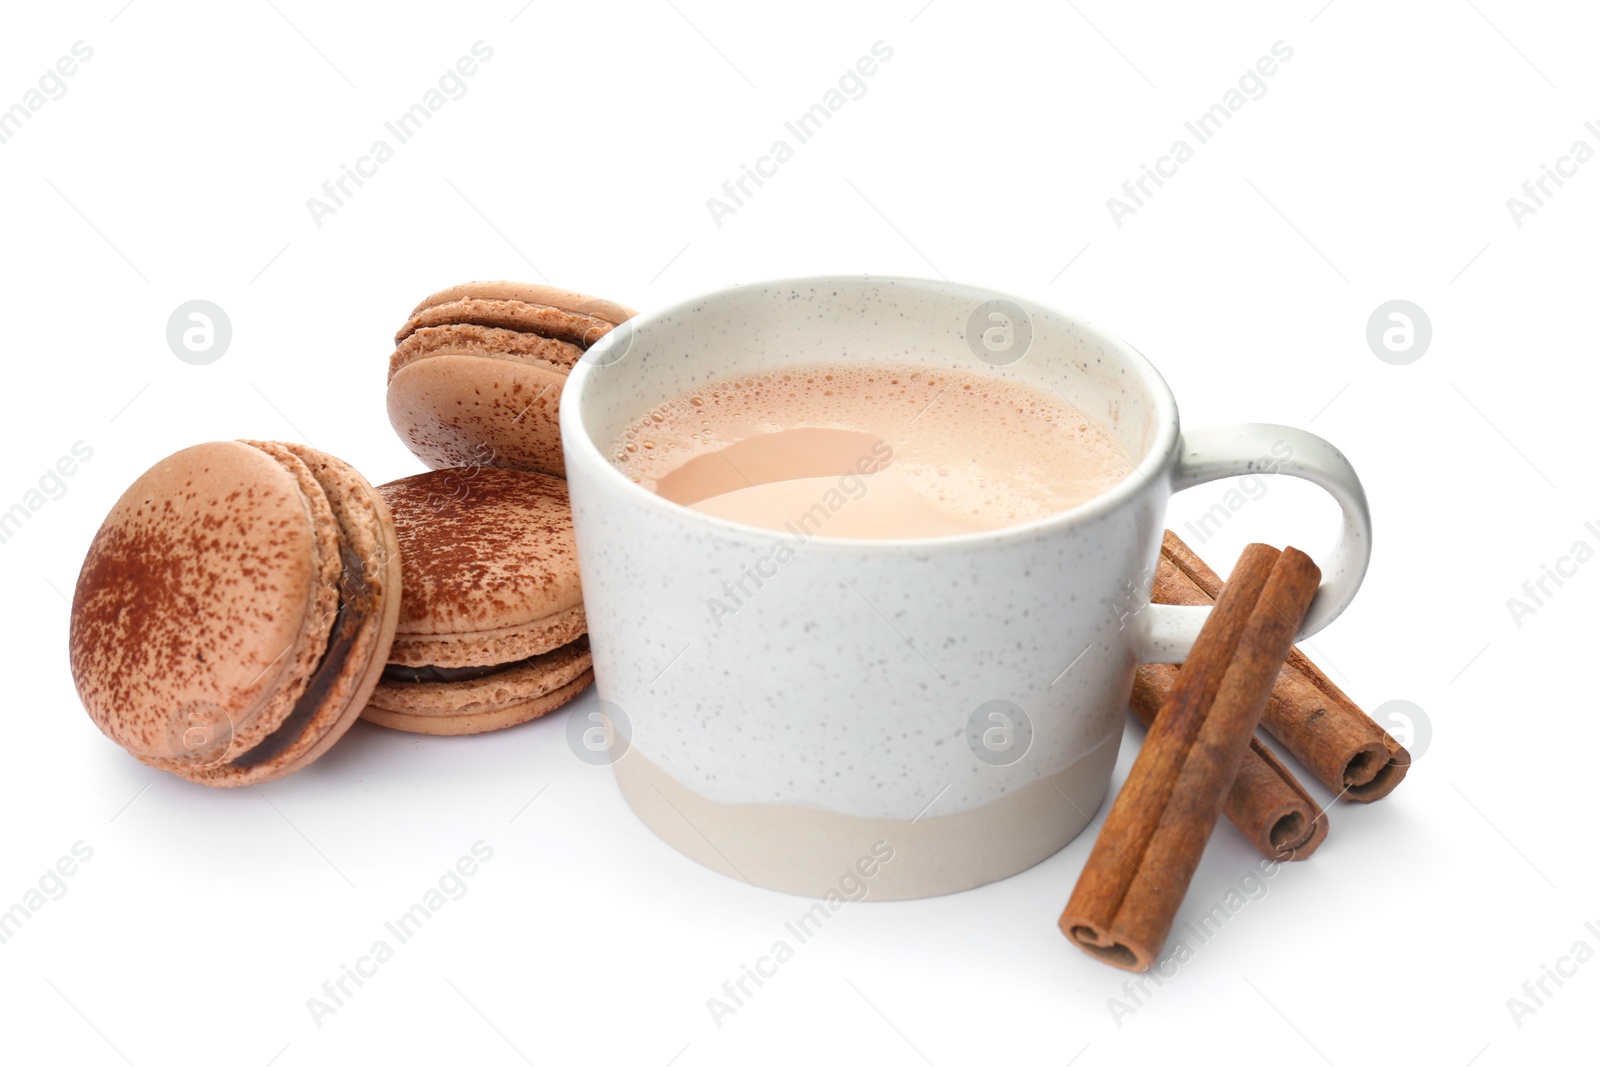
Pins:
x,y
492,629
477,372
235,610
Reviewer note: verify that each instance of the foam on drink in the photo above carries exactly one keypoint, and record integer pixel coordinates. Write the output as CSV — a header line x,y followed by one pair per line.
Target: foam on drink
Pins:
x,y
873,450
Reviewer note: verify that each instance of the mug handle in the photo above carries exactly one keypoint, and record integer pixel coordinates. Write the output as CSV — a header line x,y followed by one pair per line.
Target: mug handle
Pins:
x,y
1207,454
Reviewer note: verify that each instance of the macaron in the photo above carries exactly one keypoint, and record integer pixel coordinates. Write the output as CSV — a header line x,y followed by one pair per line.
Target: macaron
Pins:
x,y
492,631
235,610
477,370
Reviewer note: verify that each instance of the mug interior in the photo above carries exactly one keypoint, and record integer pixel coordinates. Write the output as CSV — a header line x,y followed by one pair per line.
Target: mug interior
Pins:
x,y
759,327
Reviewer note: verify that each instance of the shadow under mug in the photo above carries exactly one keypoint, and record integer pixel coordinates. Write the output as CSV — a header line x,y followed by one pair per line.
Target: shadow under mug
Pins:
x,y
888,718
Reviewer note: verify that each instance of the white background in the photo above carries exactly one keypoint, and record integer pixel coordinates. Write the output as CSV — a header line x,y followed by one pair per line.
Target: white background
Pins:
x,y
177,166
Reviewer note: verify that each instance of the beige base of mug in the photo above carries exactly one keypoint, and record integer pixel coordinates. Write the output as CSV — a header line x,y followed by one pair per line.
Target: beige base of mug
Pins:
x,y
810,852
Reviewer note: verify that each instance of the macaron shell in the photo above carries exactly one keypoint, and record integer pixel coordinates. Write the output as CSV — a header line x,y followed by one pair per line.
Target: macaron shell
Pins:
x,y
319,623
461,410
570,326
372,610
482,549
482,721
529,293
492,342
202,603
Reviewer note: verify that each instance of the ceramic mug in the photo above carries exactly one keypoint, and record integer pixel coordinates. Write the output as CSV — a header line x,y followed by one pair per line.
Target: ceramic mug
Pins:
x,y
887,718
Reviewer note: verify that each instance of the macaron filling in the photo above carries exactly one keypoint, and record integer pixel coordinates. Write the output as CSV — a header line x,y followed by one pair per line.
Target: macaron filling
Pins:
x,y
355,605
400,673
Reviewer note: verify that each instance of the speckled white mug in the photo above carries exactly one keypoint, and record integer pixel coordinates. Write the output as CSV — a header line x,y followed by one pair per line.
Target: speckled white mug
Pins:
x,y
888,718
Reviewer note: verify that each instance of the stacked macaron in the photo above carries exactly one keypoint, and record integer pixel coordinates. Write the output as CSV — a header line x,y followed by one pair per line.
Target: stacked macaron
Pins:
x,y
478,368
491,631
245,602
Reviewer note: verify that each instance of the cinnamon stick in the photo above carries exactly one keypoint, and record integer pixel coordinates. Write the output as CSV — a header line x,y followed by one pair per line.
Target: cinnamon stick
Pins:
x,y
1150,845
1324,729
1266,802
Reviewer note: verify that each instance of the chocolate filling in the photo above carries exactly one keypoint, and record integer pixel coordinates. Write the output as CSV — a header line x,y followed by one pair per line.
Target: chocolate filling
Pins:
x,y
355,605
396,672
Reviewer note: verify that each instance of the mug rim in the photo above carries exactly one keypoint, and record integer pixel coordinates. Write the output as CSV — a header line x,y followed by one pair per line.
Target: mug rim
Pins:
x,y
1145,475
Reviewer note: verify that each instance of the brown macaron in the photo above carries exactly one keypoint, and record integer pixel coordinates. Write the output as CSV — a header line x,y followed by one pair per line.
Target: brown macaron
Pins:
x,y
476,374
235,610
492,631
